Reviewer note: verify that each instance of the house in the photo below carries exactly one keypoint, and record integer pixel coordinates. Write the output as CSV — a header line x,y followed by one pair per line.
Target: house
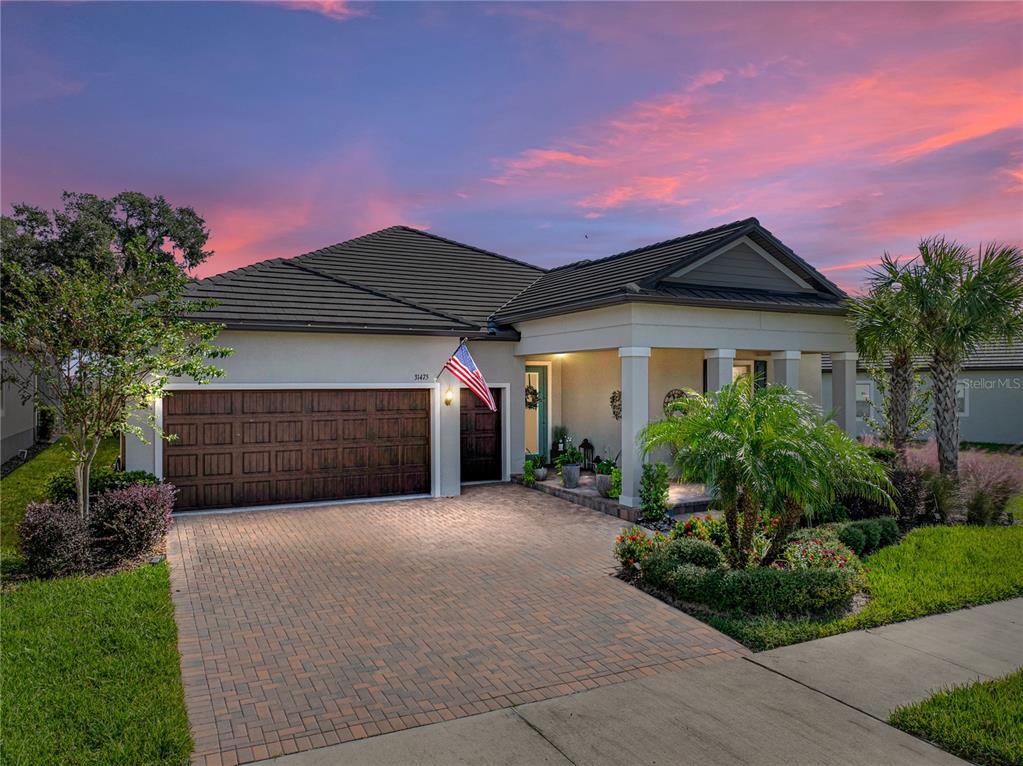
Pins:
x,y
989,394
17,419
333,390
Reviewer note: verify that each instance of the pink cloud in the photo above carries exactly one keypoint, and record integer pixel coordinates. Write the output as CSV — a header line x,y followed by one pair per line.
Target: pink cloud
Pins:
x,y
338,10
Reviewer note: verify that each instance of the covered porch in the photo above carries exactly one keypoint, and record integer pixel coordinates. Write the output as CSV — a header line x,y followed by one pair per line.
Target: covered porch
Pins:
x,y
644,354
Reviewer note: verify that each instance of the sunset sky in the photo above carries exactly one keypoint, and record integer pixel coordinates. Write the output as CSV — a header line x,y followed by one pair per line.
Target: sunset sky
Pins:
x,y
546,132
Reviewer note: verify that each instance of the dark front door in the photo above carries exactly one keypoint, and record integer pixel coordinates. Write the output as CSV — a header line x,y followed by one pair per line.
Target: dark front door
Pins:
x,y
236,448
481,438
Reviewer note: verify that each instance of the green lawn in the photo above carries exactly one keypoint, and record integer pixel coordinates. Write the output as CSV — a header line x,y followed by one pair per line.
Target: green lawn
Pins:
x,y
981,722
24,485
934,569
90,672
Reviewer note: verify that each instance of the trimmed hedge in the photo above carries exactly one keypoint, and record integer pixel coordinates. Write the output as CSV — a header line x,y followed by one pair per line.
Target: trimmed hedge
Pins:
x,y
60,486
128,522
869,535
765,590
657,567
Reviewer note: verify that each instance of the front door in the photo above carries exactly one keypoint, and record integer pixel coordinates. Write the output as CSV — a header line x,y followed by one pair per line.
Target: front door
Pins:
x,y
536,416
481,438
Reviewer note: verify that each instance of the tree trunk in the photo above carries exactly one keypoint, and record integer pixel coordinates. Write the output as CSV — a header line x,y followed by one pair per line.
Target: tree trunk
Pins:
x,y
899,402
749,524
781,535
82,471
944,374
732,525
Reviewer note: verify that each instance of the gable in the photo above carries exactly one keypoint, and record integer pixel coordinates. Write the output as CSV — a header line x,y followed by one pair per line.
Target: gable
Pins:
x,y
740,265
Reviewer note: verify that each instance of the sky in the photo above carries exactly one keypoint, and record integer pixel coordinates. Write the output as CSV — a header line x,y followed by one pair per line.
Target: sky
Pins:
x,y
546,132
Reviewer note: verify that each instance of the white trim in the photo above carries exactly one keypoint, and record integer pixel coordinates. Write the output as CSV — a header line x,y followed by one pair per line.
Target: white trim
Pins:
x,y
844,356
312,504
870,397
158,440
435,405
550,383
786,355
627,351
757,249
966,398
719,353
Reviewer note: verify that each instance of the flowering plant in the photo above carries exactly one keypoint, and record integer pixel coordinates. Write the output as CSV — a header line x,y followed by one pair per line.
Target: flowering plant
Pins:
x,y
819,553
633,545
705,528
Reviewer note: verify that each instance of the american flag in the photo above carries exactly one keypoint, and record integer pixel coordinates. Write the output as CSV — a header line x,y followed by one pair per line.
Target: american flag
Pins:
x,y
464,368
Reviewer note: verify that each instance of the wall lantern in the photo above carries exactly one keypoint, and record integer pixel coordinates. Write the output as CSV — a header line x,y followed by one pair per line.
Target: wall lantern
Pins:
x,y
449,396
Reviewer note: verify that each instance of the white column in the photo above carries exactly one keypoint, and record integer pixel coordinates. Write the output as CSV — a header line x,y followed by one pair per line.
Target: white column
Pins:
x,y
843,389
785,368
719,367
635,411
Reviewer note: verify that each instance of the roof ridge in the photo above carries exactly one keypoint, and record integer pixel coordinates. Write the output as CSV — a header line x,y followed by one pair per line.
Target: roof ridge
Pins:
x,y
497,311
673,240
516,261
378,293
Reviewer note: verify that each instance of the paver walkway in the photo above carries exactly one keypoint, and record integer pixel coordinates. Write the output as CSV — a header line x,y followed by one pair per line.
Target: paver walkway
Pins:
x,y
822,702
311,627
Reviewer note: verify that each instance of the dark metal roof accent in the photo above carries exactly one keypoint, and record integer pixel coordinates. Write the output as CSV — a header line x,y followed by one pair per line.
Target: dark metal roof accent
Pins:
x,y
996,355
589,284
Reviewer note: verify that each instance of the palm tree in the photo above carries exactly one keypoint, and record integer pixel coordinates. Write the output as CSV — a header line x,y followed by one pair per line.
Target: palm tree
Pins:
x,y
885,327
958,301
764,450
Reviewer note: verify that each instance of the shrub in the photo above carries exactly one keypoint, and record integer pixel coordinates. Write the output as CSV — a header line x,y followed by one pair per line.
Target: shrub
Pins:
x,y
987,482
60,486
658,565
616,483
766,590
707,528
632,546
827,532
605,467
653,492
44,425
54,540
528,473
819,553
852,536
127,522
884,455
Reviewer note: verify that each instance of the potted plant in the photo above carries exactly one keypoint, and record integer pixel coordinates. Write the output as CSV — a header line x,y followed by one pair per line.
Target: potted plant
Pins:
x,y
604,468
540,472
568,463
559,435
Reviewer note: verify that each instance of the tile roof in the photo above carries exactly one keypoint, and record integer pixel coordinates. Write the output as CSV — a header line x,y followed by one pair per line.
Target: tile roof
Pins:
x,y
997,355
395,280
634,275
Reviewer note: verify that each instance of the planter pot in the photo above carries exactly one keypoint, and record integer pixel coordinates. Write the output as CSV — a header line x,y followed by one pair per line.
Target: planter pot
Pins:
x,y
570,475
604,484
540,474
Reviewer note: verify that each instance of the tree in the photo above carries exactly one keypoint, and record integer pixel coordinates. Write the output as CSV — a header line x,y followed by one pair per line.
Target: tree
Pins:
x,y
885,327
767,451
99,231
958,301
918,418
102,348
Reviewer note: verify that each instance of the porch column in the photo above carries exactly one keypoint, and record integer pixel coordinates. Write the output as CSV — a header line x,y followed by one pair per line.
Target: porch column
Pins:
x,y
635,411
843,389
785,366
719,367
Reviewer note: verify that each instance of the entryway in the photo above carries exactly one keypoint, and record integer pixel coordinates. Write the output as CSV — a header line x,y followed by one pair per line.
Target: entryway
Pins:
x,y
481,437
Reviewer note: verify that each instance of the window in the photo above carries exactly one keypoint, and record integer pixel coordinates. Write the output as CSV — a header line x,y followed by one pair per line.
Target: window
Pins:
x,y
864,401
962,398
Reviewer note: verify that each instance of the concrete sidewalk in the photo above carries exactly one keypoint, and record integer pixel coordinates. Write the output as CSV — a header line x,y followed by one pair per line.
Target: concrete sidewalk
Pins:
x,y
822,702
882,668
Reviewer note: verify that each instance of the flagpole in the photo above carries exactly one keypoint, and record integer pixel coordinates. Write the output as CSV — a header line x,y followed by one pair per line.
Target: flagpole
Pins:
x,y
461,342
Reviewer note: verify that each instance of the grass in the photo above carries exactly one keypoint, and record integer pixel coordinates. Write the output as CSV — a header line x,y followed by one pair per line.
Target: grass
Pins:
x,y
933,570
981,722
90,672
25,483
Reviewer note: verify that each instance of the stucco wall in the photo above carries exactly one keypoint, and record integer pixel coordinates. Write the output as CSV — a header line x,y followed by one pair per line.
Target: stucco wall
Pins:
x,y
17,421
994,405
587,381
344,360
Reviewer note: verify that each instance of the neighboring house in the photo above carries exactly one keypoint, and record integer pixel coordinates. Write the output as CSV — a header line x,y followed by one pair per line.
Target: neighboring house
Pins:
x,y
990,394
333,389
17,419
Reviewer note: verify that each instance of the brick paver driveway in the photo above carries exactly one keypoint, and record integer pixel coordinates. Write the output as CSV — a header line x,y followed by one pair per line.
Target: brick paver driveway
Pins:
x,y
309,627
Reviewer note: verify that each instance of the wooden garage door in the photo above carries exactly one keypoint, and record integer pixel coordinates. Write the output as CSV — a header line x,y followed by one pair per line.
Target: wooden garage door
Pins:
x,y
237,448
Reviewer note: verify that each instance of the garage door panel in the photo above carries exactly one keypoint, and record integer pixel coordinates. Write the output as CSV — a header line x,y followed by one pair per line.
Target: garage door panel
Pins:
x,y
239,448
